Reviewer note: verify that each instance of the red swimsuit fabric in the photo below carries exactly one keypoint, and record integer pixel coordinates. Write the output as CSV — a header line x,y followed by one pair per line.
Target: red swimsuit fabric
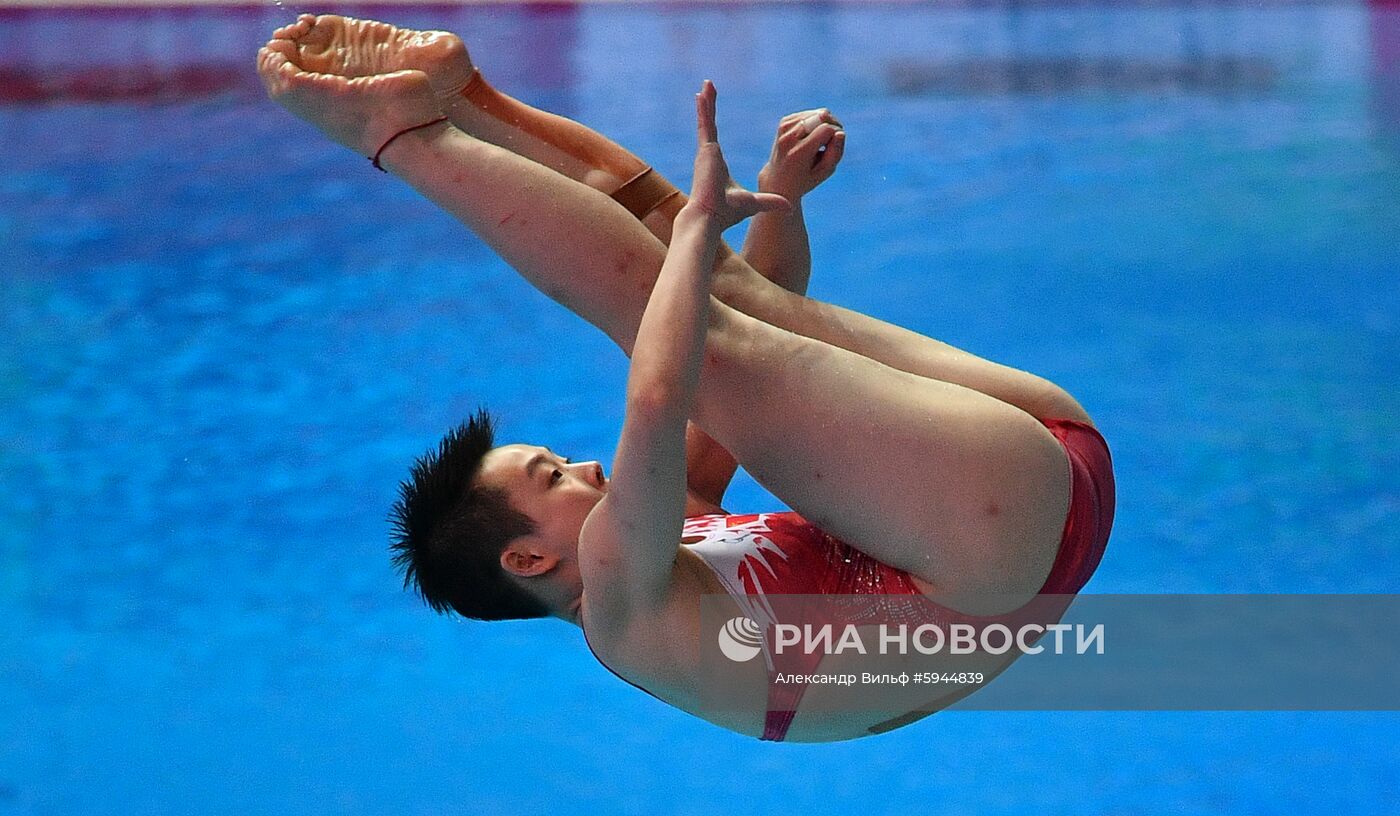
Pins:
x,y
807,561
804,560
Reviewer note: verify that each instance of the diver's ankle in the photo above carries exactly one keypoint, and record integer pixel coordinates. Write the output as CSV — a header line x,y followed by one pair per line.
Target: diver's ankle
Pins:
x,y
468,107
413,145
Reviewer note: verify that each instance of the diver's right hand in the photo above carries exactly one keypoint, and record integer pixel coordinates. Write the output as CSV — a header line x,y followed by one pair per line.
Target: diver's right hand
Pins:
x,y
806,151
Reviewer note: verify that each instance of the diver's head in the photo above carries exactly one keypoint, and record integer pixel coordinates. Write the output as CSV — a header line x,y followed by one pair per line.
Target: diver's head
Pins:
x,y
492,533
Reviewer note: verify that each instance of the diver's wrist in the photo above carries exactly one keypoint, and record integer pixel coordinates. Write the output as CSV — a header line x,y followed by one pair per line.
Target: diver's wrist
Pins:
x,y
698,218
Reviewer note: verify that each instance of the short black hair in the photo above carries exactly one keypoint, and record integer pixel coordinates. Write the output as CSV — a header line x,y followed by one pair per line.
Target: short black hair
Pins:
x,y
449,531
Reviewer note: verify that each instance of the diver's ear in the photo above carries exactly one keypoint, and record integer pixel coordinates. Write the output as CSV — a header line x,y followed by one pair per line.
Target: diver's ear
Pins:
x,y
524,561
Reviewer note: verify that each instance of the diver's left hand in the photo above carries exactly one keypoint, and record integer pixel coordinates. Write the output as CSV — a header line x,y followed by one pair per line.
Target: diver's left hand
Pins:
x,y
712,190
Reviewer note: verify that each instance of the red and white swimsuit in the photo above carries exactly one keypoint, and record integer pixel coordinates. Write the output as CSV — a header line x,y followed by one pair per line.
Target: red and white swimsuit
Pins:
x,y
759,555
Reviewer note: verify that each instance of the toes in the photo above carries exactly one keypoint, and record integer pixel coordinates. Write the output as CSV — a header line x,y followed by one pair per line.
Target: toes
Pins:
x,y
319,31
327,20
297,29
263,57
269,59
281,46
293,76
321,81
275,71
276,54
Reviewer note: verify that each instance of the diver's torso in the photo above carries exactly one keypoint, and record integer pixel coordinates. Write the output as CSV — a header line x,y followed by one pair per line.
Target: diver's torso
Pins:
x,y
662,651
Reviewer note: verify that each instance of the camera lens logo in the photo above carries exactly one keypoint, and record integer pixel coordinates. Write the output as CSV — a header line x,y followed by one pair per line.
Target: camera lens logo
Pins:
x,y
740,639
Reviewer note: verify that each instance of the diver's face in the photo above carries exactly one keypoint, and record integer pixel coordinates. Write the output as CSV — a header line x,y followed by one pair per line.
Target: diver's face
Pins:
x,y
555,493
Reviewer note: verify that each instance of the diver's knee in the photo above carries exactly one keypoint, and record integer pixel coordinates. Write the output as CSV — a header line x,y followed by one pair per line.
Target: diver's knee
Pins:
x,y
1056,403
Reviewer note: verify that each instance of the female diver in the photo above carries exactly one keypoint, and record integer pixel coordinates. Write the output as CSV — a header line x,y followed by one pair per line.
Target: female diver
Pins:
x,y
915,470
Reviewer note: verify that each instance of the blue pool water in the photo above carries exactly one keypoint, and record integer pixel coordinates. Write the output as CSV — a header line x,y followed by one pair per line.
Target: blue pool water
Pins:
x,y
225,338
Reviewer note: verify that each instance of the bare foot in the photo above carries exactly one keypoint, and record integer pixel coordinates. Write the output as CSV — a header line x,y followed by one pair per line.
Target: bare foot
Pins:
x,y
345,46
361,112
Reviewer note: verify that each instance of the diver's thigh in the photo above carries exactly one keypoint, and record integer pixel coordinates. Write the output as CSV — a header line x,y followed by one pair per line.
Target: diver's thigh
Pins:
x,y
741,288
963,490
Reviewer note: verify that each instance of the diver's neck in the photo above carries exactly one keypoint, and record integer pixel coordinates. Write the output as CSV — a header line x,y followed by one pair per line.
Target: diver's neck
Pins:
x,y
573,611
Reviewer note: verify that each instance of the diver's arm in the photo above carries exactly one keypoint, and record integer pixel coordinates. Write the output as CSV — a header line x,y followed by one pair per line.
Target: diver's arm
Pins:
x,y
709,468
777,246
808,146
645,503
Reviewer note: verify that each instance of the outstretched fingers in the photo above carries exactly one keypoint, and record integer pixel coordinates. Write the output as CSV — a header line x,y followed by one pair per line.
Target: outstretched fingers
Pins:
x,y
745,203
707,132
712,189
